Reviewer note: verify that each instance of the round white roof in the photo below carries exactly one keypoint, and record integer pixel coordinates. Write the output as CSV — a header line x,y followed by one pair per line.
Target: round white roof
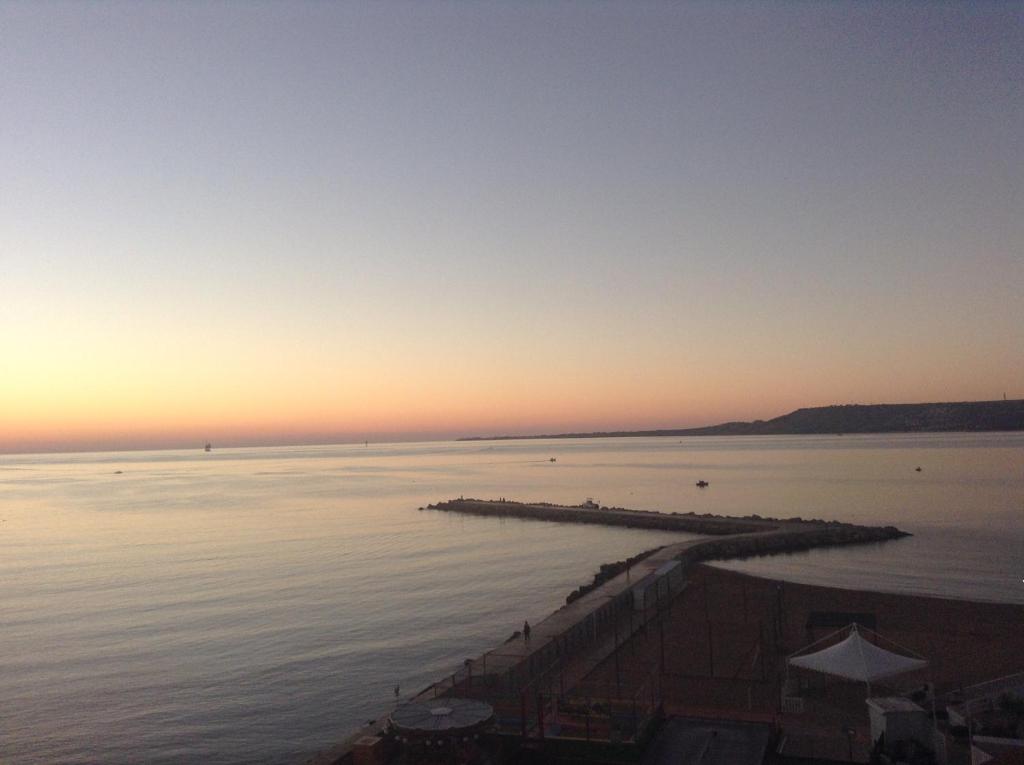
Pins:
x,y
442,715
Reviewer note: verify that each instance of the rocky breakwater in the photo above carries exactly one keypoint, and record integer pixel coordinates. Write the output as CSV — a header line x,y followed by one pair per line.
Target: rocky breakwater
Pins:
x,y
790,537
607,516
734,537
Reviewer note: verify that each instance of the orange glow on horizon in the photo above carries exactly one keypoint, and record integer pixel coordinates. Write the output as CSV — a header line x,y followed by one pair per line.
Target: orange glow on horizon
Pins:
x,y
70,386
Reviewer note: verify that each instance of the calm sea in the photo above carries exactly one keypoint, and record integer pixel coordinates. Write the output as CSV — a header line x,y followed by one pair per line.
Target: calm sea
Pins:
x,y
255,605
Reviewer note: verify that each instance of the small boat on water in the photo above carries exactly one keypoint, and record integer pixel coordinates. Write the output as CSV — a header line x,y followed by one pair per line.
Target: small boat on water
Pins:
x,y
702,484
208,447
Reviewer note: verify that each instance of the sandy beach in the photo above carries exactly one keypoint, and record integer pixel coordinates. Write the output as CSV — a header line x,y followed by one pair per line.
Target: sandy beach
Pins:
x,y
727,635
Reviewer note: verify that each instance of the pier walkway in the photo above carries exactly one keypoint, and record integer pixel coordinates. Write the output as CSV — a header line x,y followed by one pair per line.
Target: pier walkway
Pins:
x,y
518,676
532,684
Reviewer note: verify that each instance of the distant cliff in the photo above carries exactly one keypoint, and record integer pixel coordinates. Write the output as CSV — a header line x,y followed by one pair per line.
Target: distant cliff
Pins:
x,y
960,416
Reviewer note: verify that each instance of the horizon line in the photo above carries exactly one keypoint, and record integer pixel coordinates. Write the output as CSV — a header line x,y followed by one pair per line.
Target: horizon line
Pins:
x,y
457,439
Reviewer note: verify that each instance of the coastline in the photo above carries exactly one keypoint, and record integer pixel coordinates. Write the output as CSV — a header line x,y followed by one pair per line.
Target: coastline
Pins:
x,y
945,417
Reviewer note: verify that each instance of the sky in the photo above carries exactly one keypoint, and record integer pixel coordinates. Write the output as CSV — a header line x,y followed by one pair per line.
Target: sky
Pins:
x,y
256,223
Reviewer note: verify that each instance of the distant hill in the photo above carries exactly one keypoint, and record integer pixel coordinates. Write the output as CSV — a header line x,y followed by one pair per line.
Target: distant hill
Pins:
x,y
963,416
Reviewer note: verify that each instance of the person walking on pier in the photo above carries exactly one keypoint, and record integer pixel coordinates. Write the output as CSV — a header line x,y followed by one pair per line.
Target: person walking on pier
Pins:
x,y
526,631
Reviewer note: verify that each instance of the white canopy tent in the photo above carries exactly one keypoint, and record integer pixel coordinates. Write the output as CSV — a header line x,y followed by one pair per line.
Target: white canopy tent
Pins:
x,y
856,658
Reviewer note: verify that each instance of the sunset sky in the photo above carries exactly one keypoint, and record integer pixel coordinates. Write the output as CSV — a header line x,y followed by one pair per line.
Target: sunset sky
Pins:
x,y
287,222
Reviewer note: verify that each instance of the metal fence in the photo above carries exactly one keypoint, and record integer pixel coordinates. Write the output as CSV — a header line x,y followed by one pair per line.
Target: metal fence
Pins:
x,y
535,697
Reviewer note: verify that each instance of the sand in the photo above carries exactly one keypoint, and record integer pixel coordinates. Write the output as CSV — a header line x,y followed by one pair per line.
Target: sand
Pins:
x,y
727,635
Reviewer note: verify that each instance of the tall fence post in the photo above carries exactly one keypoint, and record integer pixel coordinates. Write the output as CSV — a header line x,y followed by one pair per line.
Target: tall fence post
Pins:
x,y
707,602
632,642
711,652
661,629
764,651
618,676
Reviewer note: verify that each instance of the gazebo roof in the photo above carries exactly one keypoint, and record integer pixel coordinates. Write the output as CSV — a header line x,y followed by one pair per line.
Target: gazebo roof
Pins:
x,y
443,715
855,658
